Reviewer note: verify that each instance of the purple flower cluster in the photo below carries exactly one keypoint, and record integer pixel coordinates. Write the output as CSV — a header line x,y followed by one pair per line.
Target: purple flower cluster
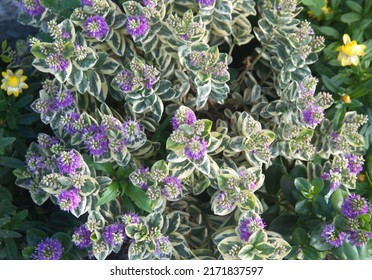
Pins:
x,y
130,218
140,176
359,238
354,164
126,80
206,2
72,122
69,162
248,226
172,188
81,237
354,206
332,236
69,200
46,141
32,7
57,62
313,115
132,132
195,148
183,116
163,247
114,234
61,100
48,249
96,27
148,3
137,25
95,140
87,3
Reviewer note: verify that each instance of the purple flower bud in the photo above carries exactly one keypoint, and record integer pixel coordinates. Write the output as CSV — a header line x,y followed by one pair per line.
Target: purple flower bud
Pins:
x,y
313,115
49,249
72,121
57,62
130,218
195,148
354,205
95,140
248,226
355,164
69,162
139,177
114,234
333,237
68,200
32,7
148,3
132,132
206,2
137,25
86,3
183,115
359,237
125,80
62,100
81,237
96,27
172,188
163,247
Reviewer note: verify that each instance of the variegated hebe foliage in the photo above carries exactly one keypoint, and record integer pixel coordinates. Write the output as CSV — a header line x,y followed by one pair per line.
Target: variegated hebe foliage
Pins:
x,y
160,62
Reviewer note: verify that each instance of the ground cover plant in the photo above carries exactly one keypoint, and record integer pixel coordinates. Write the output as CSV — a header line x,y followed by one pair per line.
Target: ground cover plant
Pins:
x,y
195,129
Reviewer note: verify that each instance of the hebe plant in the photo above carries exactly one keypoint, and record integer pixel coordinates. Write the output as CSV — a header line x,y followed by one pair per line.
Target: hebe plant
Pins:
x,y
172,154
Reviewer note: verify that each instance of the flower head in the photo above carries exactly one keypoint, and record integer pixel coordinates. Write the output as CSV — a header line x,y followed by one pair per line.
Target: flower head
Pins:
x,y
354,163
333,237
132,132
49,249
163,247
81,237
139,177
359,237
137,25
69,162
249,226
183,115
195,148
71,122
114,234
32,7
87,3
62,100
96,27
125,80
13,83
130,218
350,51
313,115
95,140
172,188
354,205
206,2
57,62
68,200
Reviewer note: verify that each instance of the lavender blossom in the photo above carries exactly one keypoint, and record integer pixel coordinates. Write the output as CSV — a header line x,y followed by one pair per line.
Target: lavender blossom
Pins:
x,y
206,2
71,122
163,247
149,3
87,3
354,205
137,25
248,226
69,200
184,115
57,62
32,7
195,148
132,132
125,80
114,234
69,162
139,177
172,188
313,115
49,249
359,237
96,27
95,140
62,100
81,237
355,163
130,218
333,237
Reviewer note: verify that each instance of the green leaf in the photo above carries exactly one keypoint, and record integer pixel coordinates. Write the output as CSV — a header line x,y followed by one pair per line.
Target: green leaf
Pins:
x,y
302,184
109,194
34,236
350,17
6,141
300,236
5,234
329,31
273,176
11,162
317,241
65,240
337,198
139,198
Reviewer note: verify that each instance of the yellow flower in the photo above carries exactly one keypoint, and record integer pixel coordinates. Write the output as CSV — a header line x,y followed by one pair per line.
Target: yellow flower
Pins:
x,y
13,83
349,52
346,99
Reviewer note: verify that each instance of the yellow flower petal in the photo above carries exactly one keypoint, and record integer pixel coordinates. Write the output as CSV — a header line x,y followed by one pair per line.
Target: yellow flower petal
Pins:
x,y
346,39
23,78
4,74
19,72
354,60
